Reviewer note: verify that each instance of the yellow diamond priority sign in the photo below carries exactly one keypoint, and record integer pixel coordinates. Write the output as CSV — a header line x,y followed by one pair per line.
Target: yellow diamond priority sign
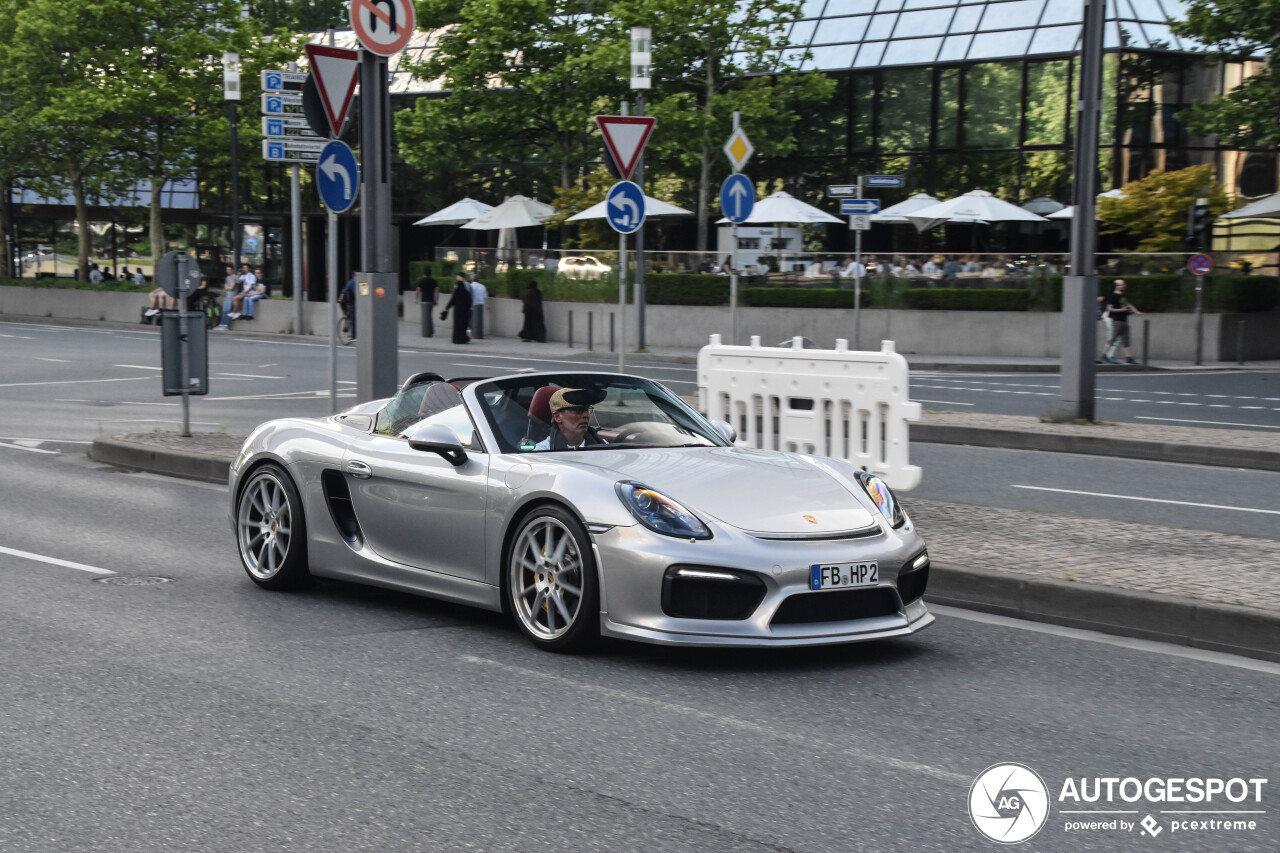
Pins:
x,y
738,149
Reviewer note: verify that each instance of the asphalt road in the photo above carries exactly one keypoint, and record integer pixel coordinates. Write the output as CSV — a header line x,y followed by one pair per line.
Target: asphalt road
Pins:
x,y
1221,399
205,714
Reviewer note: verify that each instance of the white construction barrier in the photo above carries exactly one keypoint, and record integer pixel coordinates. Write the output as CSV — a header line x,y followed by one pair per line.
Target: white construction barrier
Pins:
x,y
840,403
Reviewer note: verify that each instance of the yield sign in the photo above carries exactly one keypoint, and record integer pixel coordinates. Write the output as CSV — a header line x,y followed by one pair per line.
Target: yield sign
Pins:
x,y
334,70
626,137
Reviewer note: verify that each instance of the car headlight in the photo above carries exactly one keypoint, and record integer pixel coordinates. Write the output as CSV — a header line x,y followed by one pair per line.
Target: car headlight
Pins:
x,y
660,513
882,497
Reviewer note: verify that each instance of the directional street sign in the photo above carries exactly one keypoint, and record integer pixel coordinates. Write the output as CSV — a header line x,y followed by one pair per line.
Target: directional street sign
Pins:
x,y
738,149
1200,264
737,197
859,206
859,222
625,206
842,191
883,181
287,127
338,176
335,71
283,81
625,137
292,150
284,104
383,26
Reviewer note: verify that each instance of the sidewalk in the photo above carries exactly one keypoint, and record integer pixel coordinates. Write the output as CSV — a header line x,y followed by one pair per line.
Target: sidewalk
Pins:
x,y
1197,588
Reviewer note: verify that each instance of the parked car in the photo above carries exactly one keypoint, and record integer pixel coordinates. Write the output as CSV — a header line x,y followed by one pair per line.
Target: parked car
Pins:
x,y
583,266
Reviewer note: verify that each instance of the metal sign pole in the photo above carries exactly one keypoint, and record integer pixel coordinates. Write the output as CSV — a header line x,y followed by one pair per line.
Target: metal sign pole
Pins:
x,y
733,257
1199,320
332,264
857,278
622,303
184,351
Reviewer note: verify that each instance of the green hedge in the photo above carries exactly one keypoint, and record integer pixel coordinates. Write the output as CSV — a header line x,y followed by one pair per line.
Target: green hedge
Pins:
x,y
801,297
686,289
121,286
966,299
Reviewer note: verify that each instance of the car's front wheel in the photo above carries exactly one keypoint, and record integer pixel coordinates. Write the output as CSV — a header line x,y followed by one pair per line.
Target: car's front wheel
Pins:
x,y
270,530
551,581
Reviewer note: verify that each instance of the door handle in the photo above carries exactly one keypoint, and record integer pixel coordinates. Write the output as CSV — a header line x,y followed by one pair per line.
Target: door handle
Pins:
x,y
359,470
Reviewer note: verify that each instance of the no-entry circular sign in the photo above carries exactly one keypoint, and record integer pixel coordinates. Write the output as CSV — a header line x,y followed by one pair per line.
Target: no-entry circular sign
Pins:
x,y
383,26
1200,264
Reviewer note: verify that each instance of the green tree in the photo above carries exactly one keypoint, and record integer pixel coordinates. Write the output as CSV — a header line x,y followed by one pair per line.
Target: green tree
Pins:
x,y
1154,209
1238,30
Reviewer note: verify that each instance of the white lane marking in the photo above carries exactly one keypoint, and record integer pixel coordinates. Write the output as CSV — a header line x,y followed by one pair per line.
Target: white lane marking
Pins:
x,y
1132,643
42,440
27,448
1146,500
137,403
251,376
1214,423
941,402
19,337
784,734
76,381
54,561
55,360
138,366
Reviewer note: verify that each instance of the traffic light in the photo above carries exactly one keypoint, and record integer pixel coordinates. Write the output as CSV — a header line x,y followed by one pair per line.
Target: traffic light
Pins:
x,y
1199,227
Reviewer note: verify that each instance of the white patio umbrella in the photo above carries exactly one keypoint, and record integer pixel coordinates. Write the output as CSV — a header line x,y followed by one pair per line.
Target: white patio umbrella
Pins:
x,y
1043,206
516,212
457,213
1070,212
978,206
897,214
1268,207
782,207
652,207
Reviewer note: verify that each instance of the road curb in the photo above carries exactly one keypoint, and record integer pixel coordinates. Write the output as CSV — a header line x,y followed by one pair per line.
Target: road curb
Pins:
x,y
1127,613
174,463
1129,448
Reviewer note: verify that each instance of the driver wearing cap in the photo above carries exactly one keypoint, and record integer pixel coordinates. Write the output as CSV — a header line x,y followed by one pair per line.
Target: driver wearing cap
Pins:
x,y
571,420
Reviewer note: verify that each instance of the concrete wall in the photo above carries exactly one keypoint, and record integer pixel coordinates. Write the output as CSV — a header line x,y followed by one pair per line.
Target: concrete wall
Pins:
x,y
983,333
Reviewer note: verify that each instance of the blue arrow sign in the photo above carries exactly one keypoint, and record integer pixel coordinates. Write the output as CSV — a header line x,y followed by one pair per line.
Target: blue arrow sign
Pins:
x,y
338,176
859,206
624,207
737,197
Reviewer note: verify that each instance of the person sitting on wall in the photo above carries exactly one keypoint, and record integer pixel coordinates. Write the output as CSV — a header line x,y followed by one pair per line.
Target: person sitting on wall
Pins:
x,y
571,428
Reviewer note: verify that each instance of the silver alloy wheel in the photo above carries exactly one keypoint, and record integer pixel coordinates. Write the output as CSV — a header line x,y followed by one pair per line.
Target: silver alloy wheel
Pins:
x,y
546,580
263,526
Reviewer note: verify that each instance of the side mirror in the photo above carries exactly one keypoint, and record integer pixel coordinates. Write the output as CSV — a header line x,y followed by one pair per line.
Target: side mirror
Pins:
x,y
435,438
726,429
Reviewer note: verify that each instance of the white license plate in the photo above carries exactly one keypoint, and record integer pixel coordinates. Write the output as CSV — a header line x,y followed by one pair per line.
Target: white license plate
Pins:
x,y
841,575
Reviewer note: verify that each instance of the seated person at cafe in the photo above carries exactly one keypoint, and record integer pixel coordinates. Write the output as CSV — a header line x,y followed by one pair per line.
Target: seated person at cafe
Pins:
x,y
571,420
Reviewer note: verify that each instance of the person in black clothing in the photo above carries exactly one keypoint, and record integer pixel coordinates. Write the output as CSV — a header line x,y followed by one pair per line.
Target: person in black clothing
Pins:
x,y
427,289
535,327
1118,309
460,305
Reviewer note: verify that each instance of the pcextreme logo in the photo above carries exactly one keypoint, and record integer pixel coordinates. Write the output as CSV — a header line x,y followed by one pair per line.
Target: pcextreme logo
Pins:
x,y
1009,803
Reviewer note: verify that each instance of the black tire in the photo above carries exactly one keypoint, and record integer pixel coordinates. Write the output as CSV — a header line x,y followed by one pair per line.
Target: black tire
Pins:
x,y
271,532
554,597
212,315
346,334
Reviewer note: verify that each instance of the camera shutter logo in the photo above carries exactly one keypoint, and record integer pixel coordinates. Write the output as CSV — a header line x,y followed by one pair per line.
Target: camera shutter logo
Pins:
x,y
1008,803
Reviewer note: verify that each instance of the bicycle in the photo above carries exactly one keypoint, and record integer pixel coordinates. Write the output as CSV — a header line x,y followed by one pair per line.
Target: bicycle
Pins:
x,y
346,325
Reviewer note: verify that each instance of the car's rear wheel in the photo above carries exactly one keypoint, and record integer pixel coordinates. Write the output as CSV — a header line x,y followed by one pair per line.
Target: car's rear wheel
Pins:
x,y
551,581
270,530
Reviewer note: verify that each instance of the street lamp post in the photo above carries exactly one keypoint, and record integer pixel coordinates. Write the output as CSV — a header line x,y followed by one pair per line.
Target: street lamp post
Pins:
x,y
641,59
231,94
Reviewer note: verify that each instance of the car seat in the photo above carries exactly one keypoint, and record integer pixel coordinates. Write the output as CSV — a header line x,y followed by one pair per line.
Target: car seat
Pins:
x,y
539,423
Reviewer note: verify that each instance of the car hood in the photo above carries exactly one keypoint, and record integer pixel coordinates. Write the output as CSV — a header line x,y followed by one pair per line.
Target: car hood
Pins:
x,y
756,491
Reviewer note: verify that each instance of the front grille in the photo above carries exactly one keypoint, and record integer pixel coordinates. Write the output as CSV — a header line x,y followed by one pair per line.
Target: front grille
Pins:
x,y
911,584
837,606
711,598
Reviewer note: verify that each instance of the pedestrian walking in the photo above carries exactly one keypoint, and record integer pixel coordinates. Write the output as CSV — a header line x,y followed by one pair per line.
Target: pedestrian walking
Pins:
x,y
428,287
479,301
535,327
1119,308
460,305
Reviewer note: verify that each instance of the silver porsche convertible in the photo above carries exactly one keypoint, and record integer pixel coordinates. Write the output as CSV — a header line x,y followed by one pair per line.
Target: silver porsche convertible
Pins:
x,y
647,523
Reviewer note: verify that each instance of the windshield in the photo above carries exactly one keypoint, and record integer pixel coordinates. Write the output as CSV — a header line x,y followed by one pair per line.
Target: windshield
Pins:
x,y
595,411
